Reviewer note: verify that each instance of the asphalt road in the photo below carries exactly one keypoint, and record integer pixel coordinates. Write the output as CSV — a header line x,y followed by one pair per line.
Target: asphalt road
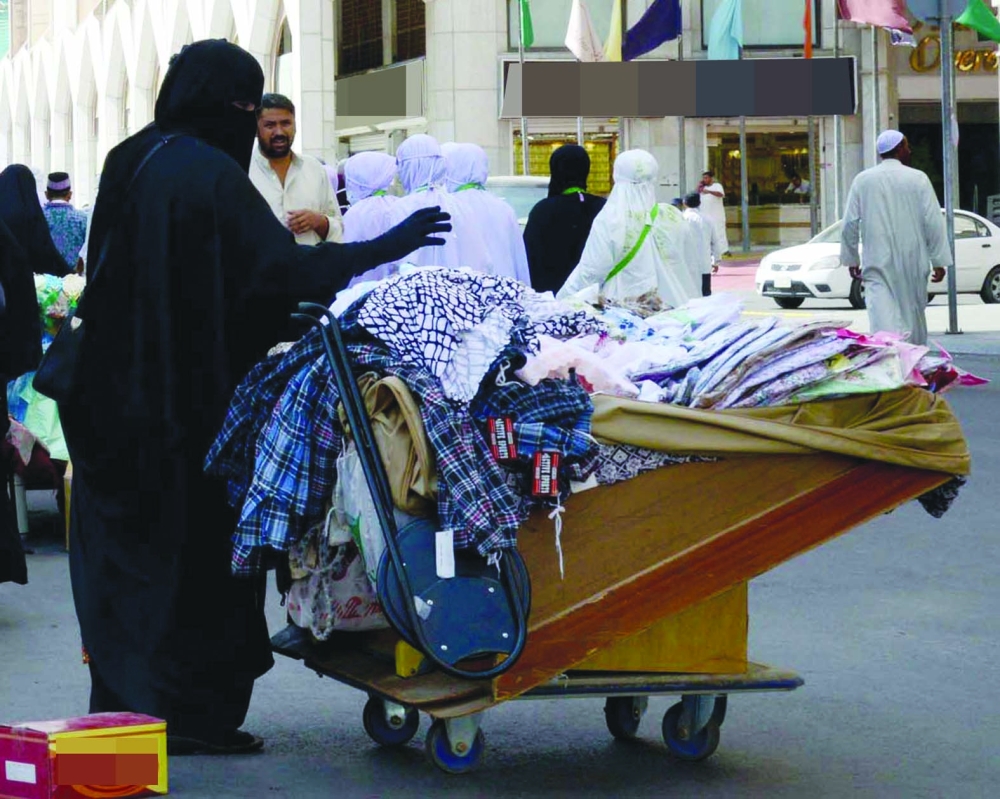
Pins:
x,y
894,628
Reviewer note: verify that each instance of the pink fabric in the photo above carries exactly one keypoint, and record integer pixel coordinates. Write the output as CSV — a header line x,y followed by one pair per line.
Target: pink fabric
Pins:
x,y
883,13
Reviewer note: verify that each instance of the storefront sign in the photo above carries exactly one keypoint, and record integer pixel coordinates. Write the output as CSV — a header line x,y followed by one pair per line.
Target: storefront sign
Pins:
x,y
926,57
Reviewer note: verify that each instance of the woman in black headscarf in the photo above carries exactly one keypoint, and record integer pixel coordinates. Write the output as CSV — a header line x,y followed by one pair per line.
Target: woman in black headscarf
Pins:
x,y
25,248
198,283
559,225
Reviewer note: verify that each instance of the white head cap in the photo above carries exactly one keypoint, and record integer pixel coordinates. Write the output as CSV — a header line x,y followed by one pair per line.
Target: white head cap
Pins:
x,y
888,140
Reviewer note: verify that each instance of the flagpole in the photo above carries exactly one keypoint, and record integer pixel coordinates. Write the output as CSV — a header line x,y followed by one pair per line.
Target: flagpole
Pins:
x,y
876,109
681,131
525,169
947,103
622,145
838,140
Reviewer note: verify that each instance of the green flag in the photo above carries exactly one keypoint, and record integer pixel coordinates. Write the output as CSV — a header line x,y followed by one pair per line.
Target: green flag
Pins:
x,y
527,31
978,17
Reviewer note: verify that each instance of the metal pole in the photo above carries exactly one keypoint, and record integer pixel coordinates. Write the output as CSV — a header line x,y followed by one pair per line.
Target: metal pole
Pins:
x,y
813,209
525,168
876,109
681,130
622,130
838,135
948,145
579,131
744,190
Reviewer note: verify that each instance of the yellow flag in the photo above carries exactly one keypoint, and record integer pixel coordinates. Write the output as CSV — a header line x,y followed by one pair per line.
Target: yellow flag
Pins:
x,y
613,46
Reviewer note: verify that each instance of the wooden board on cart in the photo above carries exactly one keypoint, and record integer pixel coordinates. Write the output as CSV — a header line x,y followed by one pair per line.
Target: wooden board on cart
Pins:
x,y
648,549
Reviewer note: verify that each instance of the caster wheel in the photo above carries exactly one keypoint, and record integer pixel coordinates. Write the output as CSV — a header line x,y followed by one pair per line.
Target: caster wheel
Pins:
x,y
439,751
697,747
382,732
622,716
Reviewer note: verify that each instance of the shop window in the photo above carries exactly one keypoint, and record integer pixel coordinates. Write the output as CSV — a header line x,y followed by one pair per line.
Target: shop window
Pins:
x,y
550,18
410,30
768,23
359,29
602,149
773,160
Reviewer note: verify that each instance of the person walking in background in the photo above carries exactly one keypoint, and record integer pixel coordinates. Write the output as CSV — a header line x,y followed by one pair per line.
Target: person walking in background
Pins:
x,y
707,240
67,225
24,217
296,187
559,226
712,207
893,209
197,284
468,169
368,177
637,247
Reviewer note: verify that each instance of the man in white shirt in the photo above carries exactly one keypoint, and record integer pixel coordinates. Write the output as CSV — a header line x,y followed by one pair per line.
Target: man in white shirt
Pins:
x,y
712,209
798,186
295,186
708,241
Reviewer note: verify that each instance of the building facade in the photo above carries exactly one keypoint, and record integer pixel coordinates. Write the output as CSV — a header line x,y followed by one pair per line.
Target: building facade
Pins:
x,y
80,75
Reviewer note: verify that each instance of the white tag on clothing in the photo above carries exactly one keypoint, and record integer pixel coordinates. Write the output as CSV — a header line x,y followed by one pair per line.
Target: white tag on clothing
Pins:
x,y
20,772
445,550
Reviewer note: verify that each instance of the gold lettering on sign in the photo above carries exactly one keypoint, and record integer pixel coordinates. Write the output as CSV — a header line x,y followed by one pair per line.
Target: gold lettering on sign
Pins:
x,y
926,57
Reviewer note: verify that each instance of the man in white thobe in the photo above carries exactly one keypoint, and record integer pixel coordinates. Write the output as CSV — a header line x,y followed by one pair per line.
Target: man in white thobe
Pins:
x,y
895,212
713,209
708,241
296,187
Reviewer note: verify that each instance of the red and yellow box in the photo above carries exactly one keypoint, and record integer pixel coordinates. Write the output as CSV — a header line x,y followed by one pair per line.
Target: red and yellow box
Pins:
x,y
96,756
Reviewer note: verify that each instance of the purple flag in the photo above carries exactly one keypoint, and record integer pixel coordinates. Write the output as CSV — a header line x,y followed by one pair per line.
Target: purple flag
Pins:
x,y
660,23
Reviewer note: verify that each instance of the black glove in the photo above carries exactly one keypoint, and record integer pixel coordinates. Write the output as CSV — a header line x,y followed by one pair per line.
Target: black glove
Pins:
x,y
414,232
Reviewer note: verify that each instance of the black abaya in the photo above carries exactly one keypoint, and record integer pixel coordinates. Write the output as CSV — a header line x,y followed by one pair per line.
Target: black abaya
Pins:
x,y
199,283
559,225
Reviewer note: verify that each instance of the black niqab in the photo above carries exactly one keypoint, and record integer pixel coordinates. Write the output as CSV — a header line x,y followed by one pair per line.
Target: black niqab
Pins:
x,y
559,225
21,211
203,82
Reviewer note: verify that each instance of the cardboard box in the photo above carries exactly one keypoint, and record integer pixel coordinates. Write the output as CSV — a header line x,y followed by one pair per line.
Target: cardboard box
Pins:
x,y
101,755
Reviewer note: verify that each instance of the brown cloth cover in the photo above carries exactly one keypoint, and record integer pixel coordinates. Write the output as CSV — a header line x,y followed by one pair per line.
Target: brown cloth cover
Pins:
x,y
908,427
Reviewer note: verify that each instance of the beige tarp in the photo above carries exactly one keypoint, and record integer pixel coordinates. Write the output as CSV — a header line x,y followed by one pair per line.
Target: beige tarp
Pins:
x,y
909,427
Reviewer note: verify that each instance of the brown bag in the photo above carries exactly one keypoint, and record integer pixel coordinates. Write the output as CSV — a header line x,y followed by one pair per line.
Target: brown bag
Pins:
x,y
402,443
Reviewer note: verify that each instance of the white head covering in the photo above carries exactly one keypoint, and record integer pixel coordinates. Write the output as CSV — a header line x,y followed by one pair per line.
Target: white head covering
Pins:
x,y
369,216
502,250
420,163
367,173
467,163
659,264
888,140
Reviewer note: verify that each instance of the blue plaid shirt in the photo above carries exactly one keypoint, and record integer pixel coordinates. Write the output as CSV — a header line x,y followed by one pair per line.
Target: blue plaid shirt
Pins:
x,y
68,227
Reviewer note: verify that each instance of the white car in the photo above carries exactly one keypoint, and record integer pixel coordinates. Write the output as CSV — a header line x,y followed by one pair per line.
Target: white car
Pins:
x,y
813,270
520,191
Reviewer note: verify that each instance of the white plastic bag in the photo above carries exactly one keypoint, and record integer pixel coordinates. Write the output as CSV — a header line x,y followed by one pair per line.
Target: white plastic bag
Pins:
x,y
354,501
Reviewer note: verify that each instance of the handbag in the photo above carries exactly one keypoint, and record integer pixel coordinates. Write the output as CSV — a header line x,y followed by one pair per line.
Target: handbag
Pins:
x,y
58,375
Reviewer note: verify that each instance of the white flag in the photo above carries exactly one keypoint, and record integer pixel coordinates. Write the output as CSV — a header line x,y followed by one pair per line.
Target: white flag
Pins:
x,y
581,38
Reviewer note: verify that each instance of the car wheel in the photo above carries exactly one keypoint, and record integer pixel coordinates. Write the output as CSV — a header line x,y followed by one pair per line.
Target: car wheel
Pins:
x,y
857,295
990,291
789,302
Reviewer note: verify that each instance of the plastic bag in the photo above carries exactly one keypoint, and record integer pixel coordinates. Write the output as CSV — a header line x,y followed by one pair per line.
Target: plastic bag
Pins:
x,y
352,498
41,418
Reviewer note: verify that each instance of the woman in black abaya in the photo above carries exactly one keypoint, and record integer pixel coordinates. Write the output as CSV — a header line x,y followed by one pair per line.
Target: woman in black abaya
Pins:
x,y
559,225
25,248
198,283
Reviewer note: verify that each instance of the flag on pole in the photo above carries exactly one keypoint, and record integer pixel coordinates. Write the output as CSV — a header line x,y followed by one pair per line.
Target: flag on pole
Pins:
x,y
807,23
881,13
613,45
661,23
581,38
901,38
725,32
527,31
978,17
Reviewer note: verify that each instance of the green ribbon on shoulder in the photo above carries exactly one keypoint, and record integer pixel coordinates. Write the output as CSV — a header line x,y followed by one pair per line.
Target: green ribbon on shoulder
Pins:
x,y
636,247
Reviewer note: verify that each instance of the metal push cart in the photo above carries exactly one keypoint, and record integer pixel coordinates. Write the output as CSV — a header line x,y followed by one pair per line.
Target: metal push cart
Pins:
x,y
658,607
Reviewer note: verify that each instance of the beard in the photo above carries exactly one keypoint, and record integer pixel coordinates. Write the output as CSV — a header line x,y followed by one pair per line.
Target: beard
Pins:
x,y
277,147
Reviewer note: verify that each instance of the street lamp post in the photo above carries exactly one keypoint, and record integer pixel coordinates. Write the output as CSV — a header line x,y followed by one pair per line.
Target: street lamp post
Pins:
x,y
948,144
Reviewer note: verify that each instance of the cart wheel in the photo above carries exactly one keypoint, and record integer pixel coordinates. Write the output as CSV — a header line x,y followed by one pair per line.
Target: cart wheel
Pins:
x,y
439,751
622,715
381,731
697,747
